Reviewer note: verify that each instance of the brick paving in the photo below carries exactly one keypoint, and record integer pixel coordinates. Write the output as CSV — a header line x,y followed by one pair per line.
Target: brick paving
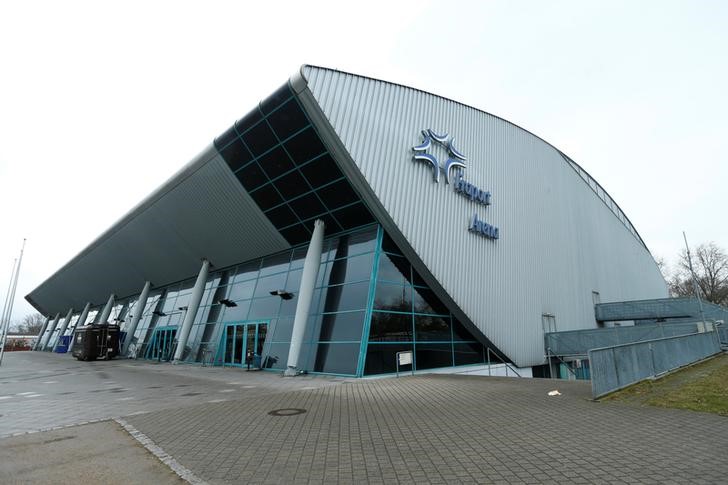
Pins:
x,y
442,429
425,429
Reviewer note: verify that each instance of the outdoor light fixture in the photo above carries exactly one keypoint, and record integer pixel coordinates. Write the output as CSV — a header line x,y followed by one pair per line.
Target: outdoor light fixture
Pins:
x,y
286,295
182,308
159,313
120,320
227,303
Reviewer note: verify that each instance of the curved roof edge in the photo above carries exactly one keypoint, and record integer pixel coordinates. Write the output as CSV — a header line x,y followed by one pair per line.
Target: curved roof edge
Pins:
x,y
295,83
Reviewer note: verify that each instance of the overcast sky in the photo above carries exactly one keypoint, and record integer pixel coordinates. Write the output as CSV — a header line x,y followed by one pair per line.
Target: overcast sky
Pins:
x,y
101,102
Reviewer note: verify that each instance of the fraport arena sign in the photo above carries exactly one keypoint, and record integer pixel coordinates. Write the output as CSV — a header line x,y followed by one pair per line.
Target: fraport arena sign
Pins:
x,y
453,169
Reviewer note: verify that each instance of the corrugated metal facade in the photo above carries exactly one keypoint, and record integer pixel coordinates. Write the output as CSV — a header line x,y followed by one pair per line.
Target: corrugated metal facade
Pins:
x,y
558,240
200,212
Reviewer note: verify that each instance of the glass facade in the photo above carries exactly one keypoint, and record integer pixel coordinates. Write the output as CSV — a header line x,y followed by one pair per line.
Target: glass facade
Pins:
x,y
279,158
368,304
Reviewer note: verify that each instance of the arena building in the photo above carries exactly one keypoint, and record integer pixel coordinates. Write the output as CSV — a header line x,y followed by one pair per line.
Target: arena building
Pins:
x,y
345,219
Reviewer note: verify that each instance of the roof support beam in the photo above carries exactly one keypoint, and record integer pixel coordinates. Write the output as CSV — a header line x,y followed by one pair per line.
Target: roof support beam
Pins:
x,y
138,313
192,308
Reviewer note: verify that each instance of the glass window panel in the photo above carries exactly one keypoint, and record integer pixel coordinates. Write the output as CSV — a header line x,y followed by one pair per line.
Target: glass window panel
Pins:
x,y
468,353
336,358
287,120
275,163
337,194
276,99
275,263
351,297
295,235
417,279
431,328
236,313
241,291
236,155
338,327
393,297
264,308
282,329
292,185
353,216
282,216
183,300
330,223
381,358
390,327
304,146
459,332
247,270
425,301
430,356
275,356
307,207
363,240
321,171
270,283
358,268
299,255
259,138
248,121
288,307
393,268
251,176
266,197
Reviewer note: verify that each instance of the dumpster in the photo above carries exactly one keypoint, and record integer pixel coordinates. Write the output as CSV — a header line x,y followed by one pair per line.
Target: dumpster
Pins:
x,y
96,341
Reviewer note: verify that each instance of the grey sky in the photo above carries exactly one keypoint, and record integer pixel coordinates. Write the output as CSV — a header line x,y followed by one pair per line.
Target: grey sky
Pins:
x,y
101,102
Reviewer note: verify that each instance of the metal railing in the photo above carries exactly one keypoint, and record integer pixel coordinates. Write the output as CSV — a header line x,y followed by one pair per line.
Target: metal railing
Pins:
x,y
504,363
616,367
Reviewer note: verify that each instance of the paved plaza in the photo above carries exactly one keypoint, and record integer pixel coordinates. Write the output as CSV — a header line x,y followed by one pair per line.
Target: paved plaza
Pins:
x,y
232,426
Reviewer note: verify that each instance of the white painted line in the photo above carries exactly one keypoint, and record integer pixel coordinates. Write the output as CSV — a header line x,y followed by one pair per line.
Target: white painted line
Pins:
x,y
218,400
227,390
50,382
125,398
249,387
24,393
33,395
184,473
5,397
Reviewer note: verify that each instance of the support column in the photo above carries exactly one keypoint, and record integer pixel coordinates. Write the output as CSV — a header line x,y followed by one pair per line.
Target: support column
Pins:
x,y
107,310
305,294
64,326
192,308
138,314
84,315
51,329
36,346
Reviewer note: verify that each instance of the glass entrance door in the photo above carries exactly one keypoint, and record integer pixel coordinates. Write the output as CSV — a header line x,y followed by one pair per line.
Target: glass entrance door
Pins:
x,y
162,344
241,338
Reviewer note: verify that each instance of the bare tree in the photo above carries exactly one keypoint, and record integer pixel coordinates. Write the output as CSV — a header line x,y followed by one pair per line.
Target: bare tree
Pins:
x,y
710,264
31,324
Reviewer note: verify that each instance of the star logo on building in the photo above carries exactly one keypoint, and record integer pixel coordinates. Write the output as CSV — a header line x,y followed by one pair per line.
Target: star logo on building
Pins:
x,y
455,159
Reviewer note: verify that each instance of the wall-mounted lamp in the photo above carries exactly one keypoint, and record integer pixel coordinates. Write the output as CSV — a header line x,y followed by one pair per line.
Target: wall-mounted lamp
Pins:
x,y
159,313
227,303
286,295
119,320
182,308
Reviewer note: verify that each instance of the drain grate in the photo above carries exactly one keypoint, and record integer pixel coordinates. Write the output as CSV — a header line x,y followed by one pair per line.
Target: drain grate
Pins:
x,y
287,412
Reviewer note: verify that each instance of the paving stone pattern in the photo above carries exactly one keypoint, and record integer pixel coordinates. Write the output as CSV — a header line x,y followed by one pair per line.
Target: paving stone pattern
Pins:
x,y
441,429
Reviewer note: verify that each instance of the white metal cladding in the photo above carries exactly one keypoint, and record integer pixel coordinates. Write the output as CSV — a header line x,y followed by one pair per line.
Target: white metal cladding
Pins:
x,y
200,212
558,240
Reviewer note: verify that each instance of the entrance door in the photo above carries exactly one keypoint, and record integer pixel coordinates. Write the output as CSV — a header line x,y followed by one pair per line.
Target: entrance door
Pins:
x,y
162,344
239,338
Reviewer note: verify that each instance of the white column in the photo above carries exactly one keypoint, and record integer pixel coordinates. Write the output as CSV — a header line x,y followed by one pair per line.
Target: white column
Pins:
x,y
37,346
50,331
64,325
192,308
138,313
305,294
107,310
84,315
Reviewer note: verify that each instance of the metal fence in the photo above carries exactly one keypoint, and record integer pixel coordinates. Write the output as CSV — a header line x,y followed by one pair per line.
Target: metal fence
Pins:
x,y
579,342
613,368
661,308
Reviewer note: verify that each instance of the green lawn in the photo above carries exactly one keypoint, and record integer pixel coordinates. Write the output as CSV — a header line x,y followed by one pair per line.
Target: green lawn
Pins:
x,y
702,387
